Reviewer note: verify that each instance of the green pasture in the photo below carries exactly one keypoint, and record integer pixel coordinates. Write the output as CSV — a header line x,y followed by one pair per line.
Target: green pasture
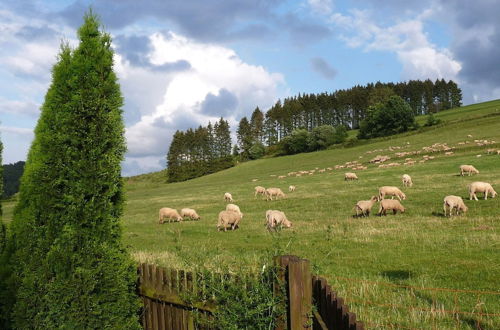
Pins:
x,y
369,261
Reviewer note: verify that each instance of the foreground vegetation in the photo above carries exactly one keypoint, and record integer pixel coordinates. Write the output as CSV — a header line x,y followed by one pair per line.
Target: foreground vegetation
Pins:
x,y
368,260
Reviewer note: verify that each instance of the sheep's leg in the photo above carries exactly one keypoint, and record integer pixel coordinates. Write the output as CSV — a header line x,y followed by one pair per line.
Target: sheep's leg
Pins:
x,y
444,208
486,195
394,211
475,197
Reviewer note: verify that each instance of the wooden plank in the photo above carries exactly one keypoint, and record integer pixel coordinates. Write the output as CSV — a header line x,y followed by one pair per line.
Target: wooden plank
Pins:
x,y
161,317
154,315
149,317
318,322
169,322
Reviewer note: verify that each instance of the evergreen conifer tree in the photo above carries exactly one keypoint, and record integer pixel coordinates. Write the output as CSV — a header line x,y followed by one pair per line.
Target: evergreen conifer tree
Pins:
x,y
71,268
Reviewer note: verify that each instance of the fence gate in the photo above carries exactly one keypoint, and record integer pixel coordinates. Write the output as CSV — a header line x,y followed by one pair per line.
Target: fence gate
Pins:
x,y
162,292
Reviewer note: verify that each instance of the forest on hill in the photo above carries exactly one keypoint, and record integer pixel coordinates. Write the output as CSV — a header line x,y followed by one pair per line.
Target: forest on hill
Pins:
x,y
11,178
308,122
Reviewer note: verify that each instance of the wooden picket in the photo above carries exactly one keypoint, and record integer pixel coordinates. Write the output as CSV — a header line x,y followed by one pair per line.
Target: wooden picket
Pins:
x,y
310,302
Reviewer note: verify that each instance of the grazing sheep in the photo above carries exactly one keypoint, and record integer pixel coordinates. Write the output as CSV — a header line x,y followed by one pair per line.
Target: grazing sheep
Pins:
x,y
270,192
291,188
228,219
190,213
390,191
350,176
275,218
407,182
228,197
469,169
234,208
390,204
456,203
170,214
481,187
259,190
365,207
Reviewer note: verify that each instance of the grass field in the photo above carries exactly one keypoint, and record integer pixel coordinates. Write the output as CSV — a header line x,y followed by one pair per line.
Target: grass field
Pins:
x,y
376,263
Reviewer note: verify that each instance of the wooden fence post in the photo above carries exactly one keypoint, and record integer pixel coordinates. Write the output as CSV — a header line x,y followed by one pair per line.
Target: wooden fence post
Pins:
x,y
294,283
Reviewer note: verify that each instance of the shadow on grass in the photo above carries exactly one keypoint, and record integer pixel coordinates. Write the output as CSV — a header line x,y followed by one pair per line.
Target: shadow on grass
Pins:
x,y
397,275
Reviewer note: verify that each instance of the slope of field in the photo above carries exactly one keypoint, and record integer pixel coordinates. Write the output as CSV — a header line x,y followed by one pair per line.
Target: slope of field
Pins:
x,y
373,262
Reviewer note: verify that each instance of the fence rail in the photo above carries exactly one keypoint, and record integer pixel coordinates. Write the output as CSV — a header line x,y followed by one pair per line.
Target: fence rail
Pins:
x,y
310,302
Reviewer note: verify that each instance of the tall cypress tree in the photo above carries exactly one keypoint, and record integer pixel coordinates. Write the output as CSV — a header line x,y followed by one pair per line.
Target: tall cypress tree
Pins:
x,y
72,268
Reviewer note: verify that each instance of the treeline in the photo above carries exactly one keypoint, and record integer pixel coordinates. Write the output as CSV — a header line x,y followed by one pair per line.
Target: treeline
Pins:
x,y
307,122
349,107
11,178
198,152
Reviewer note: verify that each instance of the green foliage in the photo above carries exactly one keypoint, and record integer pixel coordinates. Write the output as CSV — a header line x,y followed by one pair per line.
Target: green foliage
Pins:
x,y
432,120
71,269
393,117
296,142
12,178
257,150
195,153
244,303
321,137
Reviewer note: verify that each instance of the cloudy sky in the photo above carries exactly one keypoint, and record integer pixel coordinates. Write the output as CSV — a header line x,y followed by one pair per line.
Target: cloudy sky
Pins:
x,y
182,63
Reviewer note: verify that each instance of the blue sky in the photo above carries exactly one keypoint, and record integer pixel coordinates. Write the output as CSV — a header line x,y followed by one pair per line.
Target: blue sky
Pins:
x,y
183,63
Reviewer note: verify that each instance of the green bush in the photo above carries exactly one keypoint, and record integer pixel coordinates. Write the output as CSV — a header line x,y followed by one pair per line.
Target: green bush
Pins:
x,y
296,142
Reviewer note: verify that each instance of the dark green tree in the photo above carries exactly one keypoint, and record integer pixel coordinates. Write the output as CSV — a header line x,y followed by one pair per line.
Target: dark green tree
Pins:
x,y
245,137
71,268
392,117
257,125
321,137
296,142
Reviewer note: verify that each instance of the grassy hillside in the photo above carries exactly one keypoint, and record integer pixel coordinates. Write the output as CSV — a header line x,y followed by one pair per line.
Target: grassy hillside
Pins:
x,y
368,260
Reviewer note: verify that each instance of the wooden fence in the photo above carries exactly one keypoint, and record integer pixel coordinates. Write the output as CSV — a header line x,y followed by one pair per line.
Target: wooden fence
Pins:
x,y
309,300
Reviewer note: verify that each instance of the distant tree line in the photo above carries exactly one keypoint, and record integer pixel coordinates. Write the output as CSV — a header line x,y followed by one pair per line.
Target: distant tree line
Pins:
x,y
349,107
198,152
310,122
11,178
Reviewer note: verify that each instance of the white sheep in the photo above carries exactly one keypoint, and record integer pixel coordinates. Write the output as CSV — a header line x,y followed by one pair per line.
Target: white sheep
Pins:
x,y
190,213
407,182
228,219
228,197
390,191
481,187
270,192
350,176
456,203
276,219
390,204
234,208
365,207
259,190
170,214
291,188
469,169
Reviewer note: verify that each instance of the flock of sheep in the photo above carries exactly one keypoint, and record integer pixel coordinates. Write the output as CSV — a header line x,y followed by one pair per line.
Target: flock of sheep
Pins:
x,y
450,203
275,219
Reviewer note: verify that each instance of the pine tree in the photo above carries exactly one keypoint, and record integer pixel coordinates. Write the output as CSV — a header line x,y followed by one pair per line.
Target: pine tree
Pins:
x,y
245,138
257,124
73,269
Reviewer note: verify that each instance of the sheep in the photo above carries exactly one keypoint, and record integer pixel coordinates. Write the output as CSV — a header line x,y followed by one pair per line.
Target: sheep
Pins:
x,y
407,182
392,191
228,219
469,169
234,208
170,214
390,204
270,192
291,188
350,176
481,187
365,207
275,218
228,197
190,213
452,202
259,190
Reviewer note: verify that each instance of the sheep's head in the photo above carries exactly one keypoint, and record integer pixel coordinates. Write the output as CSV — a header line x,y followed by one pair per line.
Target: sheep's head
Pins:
x,y
493,193
464,208
403,196
403,209
375,198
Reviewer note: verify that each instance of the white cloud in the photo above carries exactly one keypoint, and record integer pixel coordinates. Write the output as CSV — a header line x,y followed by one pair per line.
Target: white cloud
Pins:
x,y
323,7
179,96
28,108
420,58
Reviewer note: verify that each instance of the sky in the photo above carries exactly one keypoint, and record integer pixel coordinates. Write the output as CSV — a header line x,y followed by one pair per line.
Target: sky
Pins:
x,y
183,63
